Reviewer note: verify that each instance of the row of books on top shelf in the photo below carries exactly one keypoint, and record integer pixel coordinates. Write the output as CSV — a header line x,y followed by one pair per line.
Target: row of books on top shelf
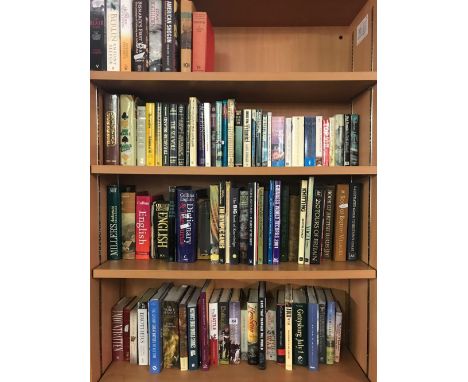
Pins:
x,y
229,224
219,134
150,35
190,328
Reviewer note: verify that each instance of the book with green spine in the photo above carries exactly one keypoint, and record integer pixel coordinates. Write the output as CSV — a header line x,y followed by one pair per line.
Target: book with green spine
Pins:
x,y
114,223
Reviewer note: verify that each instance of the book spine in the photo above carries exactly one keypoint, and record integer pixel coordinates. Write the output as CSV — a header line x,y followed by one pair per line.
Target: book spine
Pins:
x,y
154,318
252,333
227,219
126,34
117,335
111,130
234,333
339,139
280,333
302,222
316,226
265,140
193,125
203,332
322,343
354,145
214,143
165,133
318,141
126,334
326,142
173,134
293,232
271,335
201,135
258,138
235,247
338,326
141,136
354,222
244,331
284,237
188,136
312,319
98,36
231,106
133,337
329,209
180,134
331,150
143,336
266,224
162,230
309,141
199,41
114,223
243,226
140,45
155,35
222,223
288,143
214,223
261,332
207,132
213,328
143,227
224,133
330,352
186,10
298,141
277,223
128,225
288,336
159,134
268,143
299,334
193,349
238,140
277,142
247,140
170,318
347,140
271,221
170,40
250,247
341,222
186,226
113,35
219,137
172,224
203,225
224,343
150,134
127,131
253,129
183,341
261,211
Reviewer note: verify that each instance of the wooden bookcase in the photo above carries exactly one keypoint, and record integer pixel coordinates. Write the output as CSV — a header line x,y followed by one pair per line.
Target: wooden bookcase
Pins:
x,y
295,57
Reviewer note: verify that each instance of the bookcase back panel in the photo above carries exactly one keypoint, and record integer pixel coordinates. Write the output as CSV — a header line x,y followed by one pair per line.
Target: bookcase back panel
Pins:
x,y
363,51
295,49
358,315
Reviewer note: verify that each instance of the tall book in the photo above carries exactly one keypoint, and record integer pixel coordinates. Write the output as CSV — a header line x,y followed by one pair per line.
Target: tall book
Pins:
x,y
173,145
331,311
302,222
260,236
224,133
331,122
193,129
300,329
183,326
228,222
312,327
126,327
203,43
219,133
341,222
143,227
111,129
277,222
150,133
165,134
207,132
224,341
293,232
127,130
251,248
214,223
128,200
288,326
213,327
244,325
258,138
280,326
160,249
203,332
192,331
134,335
270,328
347,140
181,134
214,142
141,135
238,141
354,222
114,223
201,135
277,142
288,142
231,106
243,225
186,226
113,35
339,139
140,36
354,145
186,10
98,35
297,141
338,328
126,35
309,141
284,229
308,223
235,239
322,326
271,221
262,325
155,24
222,222
317,217
326,142
252,327
318,141
159,133
235,328
170,40
203,225
118,328
265,140
143,338
247,138
328,221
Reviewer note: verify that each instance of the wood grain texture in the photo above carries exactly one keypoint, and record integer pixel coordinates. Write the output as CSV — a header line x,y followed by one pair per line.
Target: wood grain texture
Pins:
x,y
365,220
358,293
362,106
362,53
372,370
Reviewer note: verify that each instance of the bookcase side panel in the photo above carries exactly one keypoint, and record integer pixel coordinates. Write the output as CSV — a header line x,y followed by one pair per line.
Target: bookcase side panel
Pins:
x,y
93,114
372,371
362,41
362,105
364,229
358,310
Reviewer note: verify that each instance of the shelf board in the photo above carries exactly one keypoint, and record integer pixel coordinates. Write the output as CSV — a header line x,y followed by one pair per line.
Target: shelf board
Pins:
x,y
347,370
233,171
280,13
203,269
243,86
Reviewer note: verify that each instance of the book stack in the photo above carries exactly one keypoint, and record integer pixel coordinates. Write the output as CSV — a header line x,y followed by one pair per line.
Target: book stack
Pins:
x,y
150,35
218,134
188,328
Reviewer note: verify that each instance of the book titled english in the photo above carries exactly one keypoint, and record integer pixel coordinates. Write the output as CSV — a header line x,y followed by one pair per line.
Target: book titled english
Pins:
x,y
143,227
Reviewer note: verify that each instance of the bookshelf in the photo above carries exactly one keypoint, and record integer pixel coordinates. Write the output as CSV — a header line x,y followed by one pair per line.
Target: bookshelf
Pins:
x,y
297,57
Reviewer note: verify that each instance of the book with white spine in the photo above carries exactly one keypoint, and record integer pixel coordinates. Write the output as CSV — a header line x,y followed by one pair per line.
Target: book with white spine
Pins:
x,y
318,140
231,106
113,35
247,137
207,120
288,143
269,116
332,142
298,141
126,35
193,129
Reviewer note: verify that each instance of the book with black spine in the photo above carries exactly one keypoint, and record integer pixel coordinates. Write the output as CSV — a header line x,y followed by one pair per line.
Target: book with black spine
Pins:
x,y
354,144
192,334
322,327
300,327
317,213
234,222
224,341
262,325
173,134
160,249
243,225
222,222
201,136
280,329
98,35
181,134
213,142
347,140
354,222
140,46
183,329
251,249
288,326
328,221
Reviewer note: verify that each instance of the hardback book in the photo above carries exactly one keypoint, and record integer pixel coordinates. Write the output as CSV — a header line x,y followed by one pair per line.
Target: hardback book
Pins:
x,y
186,10
280,326
300,329
297,141
284,237
270,328
339,140
214,142
143,226
354,145
238,141
213,320
141,136
260,235
113,35
288,326
326,142
150,133
170,39
186,226
244,323
308,222
309,141
128,222
347,140
193,129
271,221
224,341
318,141
235,327
234,229
328,221
192,330
317,217
172,223
143,343
160,247
204,237
293,232
127,130
214,223
322,326
277,141
262,325
159,133
265,140
258,138
114,223
111,129
173,145
170,319
126,35
252,327
252,227
341,222
134,335
354,222
231,106
224,134
331,159
156,355
222,222
277,222
181,134
203,332
140,36
165,134
302,222
338,328
312,329
126,326
155,35
268,140
183,326
207,132
188,135
117,328
98,35
288,142
247,138
228,222
201,135
243,225
203,43
253,135
219,134
266,227
331,311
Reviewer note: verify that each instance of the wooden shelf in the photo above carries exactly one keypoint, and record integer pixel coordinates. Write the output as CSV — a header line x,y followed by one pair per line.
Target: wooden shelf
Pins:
x,y
158,269
346,371
243,86
234,171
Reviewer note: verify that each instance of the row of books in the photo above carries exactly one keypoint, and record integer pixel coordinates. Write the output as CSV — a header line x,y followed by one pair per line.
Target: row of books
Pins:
x,y
190,328
150,35
220,135
230,224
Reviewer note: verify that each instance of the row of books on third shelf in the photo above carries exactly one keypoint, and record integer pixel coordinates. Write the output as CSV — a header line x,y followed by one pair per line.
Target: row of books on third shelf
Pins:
x,y
150,35
229,224
189,328
220,135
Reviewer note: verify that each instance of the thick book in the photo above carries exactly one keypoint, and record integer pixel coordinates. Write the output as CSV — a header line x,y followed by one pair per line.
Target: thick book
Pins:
x,y
214,223
284,229
309,141
318,141
203,43
143,227
316,231
266,227
170,39
219,134
183,326
127,130
231,106
134,335
192,331
339,139
308,223
150,133
297,141
98,35
326,142
302,222
114,223
113,35
111,129
247,138
271,221
193,130
347,140
128,199
277,222
235,239
186,10
288,326
173,145
203,332
252,327
293,232
117,328
222,222
181,134
277,142
322,325
126,35
288,142
186,226
331,311
354,144
243,225
235,327
165,134
341,222
354,222
207,133
270,327
300,327
203,225
159,134
331,159
143,338
262,325
244,321
126,327
328,221
201,135
280,326
261,227
312,327
155,329
228,222
224,133
224,341
160,226
213,327
141,135
238,140
338,329
140,45
155,35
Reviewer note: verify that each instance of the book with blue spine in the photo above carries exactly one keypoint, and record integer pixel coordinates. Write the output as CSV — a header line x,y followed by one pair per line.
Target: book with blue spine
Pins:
x,y
253,136
155,329
219,137
201,135
309,141
277,142
186,226
312,325
224,133
271,220
277,222
330,333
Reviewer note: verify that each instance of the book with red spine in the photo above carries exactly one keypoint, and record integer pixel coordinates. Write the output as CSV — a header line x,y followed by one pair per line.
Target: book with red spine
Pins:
x,y
326,142
202,43
117,328
143,226
126,327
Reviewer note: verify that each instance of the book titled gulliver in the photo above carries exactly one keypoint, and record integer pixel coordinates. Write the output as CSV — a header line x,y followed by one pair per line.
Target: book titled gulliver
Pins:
x,y
143,227
111,129
128,222
117,328
203,43
114,223
341,222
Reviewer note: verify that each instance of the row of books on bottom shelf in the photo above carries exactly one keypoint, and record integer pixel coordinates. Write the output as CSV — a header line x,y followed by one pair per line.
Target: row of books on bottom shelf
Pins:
x,y
189,328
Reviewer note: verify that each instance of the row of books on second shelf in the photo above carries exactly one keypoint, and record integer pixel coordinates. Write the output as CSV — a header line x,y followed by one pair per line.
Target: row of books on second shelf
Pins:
x,y
220,135
150,35
230,224
189,328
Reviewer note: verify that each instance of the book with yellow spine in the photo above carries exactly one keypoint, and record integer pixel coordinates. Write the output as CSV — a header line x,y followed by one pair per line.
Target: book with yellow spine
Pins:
x,y
159,134
150,133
